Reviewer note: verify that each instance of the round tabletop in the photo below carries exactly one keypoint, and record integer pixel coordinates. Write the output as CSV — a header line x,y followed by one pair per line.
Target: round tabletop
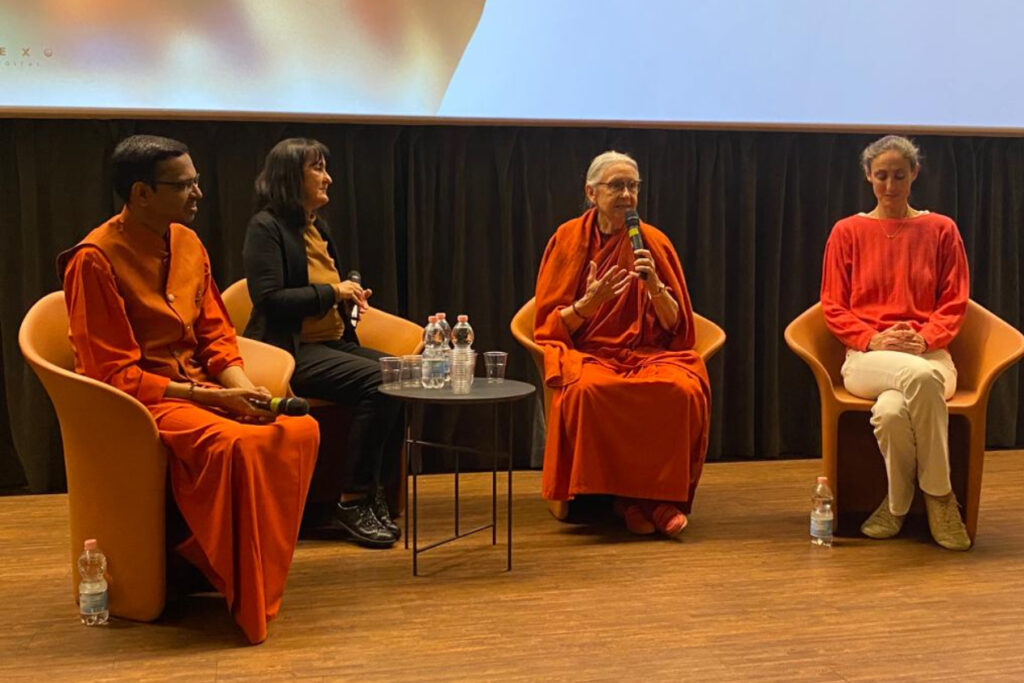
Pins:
x,y
482,391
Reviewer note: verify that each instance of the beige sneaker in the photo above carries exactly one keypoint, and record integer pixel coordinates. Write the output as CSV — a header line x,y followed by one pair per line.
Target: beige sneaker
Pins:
x,y
947,528
882,523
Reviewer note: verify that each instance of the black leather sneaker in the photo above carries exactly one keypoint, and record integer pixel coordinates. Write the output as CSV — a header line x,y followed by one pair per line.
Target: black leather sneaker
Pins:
x,y
356,522
379,505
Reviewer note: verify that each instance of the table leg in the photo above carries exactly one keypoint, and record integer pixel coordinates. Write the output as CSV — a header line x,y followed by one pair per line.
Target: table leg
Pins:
x,y
417,466
456,493
508,566
494,475
408,468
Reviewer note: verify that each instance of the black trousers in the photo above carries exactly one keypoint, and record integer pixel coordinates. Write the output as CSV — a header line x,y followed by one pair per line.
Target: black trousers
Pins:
x,y
344,372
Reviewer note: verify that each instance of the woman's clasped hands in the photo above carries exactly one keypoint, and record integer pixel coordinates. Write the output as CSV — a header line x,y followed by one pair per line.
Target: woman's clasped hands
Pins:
x,y
899,337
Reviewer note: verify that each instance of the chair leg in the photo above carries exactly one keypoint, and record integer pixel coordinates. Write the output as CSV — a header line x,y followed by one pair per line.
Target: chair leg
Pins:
x,y
975,465
829,448
559,509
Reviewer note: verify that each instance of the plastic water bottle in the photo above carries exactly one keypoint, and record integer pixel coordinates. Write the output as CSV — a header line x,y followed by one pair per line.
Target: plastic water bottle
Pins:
x,y
432,374
92,591
821,513
446,346
462,341
462,334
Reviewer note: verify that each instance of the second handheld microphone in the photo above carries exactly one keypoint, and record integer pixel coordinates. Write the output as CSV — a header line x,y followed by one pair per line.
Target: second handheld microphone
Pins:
x,y
353,318
633,230
282,406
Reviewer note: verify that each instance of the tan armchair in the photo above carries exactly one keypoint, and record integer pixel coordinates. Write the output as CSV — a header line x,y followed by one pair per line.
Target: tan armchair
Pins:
x,y
378,330
985,347
709,338
116,464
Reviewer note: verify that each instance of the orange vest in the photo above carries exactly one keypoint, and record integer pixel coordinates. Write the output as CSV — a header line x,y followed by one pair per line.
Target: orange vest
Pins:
x,y
163,294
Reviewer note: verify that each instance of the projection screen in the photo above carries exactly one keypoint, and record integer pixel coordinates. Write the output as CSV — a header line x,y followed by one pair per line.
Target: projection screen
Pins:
x,y
803,63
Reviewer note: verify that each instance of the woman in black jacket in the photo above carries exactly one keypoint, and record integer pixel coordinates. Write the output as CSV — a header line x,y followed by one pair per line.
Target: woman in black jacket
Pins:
x,y
299,304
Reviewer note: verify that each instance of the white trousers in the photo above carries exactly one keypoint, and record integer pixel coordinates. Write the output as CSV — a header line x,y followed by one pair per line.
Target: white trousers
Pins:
x,y
909,416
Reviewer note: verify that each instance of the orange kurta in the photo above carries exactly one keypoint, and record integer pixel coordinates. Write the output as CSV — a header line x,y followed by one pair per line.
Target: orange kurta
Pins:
x,y
629,414
143,312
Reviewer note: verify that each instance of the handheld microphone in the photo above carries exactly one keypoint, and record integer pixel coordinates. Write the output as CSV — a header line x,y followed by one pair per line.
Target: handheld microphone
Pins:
x,y
633,230
353,319
282,406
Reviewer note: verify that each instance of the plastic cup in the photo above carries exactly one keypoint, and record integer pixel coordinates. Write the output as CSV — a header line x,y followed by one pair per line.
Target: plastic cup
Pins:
x,y
391,372
494,364
412,368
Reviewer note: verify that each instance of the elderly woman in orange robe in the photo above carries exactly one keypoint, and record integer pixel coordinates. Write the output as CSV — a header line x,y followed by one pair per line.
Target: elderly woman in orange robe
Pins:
x,y
629,414
145,317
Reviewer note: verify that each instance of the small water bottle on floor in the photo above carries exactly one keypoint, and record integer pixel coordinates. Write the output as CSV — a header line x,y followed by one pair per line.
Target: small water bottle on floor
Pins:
x,y
92,591
821,513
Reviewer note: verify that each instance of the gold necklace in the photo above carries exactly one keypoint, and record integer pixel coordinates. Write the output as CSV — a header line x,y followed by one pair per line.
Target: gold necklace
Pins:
x,y
892,235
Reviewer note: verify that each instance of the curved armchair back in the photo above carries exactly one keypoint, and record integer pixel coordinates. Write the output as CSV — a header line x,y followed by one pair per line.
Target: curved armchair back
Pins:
x,y
377,329
809,338
236,300
985,346
389,333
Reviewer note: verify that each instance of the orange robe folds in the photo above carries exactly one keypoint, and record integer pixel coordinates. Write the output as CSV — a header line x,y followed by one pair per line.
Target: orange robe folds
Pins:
x,y
630,412
144,311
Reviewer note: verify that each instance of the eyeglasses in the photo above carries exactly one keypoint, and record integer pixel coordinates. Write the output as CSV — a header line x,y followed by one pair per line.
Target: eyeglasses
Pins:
x,y
180,185
617,186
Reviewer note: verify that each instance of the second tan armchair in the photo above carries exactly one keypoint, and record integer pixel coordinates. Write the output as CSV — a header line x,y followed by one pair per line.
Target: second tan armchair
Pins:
x,y
985,347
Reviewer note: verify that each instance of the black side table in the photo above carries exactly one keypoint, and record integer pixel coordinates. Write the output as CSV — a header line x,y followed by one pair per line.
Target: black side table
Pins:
x,y
481,392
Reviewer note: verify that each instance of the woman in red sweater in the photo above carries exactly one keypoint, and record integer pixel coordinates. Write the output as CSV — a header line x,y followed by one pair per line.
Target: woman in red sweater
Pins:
x,y
894,290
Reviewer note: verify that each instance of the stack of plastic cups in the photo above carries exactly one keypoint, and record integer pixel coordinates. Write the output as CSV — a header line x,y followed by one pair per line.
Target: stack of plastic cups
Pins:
x,y
463,363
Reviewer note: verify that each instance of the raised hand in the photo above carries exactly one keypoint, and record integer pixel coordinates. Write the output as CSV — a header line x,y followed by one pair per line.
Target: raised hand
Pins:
x,y
612,284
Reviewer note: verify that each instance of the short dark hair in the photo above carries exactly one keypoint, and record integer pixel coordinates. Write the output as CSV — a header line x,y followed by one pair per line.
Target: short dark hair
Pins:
x,y
279,186
135,160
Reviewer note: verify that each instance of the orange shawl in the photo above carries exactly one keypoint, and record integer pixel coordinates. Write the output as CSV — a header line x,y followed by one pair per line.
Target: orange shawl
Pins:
x,y
626,340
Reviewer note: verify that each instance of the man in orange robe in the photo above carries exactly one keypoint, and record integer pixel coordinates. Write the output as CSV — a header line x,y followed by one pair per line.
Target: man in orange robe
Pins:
x,y
146,318
630,413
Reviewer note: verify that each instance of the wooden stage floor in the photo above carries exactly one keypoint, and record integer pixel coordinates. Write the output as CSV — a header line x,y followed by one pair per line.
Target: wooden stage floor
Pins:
x,y
743,596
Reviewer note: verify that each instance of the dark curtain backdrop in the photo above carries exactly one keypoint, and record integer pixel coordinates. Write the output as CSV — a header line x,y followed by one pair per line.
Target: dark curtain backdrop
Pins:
x,y
455,218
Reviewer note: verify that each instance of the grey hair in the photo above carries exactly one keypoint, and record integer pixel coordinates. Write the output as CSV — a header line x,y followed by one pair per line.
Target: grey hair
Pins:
x,y
891,143
603,161
606,159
